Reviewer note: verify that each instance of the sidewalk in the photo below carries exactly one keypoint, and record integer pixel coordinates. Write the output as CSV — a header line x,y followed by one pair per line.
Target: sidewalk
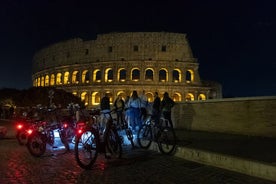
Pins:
x,y
255,156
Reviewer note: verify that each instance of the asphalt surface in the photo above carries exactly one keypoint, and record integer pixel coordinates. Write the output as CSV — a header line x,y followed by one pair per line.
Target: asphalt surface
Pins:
x,y
136,166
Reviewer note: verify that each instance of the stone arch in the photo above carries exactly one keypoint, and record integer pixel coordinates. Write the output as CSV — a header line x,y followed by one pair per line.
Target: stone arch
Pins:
x,y
177,97
163,75
189,97
84,98
149,74
85,77
150,96
47,82
201,97
122,75
176,75
108,75
58,79
42,81
38,81
52,80
66,78
189,76
96,98
97,75
135,74
75,77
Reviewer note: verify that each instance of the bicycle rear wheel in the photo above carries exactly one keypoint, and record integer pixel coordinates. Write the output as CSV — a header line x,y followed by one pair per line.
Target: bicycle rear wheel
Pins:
x,y
144,136
113,143
166,140
86,149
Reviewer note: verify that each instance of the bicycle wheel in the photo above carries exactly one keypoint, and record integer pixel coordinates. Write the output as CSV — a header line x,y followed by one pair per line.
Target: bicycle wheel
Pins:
x,y
166,140
113,143
86,149
144,136
129,135
36,144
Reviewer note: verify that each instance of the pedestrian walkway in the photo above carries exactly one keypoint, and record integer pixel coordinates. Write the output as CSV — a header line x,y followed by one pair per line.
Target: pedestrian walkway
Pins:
x,y
255,156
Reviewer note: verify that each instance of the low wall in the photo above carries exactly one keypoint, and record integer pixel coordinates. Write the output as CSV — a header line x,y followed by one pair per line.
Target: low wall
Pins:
x,y
254,116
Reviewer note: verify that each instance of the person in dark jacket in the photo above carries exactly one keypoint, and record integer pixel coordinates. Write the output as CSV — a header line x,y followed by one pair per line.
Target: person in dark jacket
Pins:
x,y
105,103
119,105
166,105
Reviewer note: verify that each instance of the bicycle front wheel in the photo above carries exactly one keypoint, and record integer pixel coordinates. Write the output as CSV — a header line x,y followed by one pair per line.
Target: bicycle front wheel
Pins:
x,y
144,136
166,140
86,149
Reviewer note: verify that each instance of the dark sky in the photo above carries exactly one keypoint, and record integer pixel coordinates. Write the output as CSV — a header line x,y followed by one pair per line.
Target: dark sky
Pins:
x,y
234,41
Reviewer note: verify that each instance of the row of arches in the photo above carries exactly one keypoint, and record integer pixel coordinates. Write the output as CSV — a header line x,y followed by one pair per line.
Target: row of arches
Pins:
x,y
94,98
108,75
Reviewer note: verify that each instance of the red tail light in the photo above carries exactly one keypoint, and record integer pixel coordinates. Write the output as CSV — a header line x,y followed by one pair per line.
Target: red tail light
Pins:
x,y
29,131
79,131
19,126
65,125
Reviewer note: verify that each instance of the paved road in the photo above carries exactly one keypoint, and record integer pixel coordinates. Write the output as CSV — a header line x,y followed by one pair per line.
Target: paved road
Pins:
x,y
136,166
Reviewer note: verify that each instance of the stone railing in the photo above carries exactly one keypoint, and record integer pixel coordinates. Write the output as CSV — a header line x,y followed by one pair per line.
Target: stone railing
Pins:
x,y
253,116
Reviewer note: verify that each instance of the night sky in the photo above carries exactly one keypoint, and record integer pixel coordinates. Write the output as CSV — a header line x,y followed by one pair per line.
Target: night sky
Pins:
x,y
234,41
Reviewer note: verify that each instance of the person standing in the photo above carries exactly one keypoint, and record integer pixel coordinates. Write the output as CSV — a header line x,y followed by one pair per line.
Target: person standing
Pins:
x,y
156,108
119,105
105,115
134,105
144,104
105,103
166,105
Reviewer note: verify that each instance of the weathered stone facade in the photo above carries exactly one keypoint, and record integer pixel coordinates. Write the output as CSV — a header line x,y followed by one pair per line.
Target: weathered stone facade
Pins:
x,y
118,63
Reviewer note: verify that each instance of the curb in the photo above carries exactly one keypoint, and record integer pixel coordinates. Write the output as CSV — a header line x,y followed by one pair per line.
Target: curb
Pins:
x,y
249,167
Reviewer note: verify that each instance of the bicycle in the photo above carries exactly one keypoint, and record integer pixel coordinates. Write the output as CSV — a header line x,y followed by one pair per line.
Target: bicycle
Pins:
x,y
161,132
124,127
98,136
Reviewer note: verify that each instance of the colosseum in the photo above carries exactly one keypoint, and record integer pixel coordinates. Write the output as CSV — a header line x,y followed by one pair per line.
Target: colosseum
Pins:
x,y
118,63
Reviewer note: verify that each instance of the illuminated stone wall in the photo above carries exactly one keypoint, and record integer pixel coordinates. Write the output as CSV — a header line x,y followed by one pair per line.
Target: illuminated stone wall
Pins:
x,y
247,116
118,63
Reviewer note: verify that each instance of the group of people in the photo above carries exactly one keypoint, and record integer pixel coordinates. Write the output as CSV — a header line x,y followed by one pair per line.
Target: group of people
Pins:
x,y
134,108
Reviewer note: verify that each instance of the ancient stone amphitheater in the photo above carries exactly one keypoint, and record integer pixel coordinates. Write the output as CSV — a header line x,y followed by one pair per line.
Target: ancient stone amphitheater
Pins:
x,y
118,63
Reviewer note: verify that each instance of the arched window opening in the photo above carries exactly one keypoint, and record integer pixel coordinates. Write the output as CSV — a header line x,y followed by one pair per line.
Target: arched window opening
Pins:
x,y
96,98
150,96
201,97
97,75
176,76
85,76
58,79
38,81
122,75
47,80
149,75
42,81
108,75
176,97
123,95
52,80
75,77
162,75
84,98
135,74
189,76
66,78
189,97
